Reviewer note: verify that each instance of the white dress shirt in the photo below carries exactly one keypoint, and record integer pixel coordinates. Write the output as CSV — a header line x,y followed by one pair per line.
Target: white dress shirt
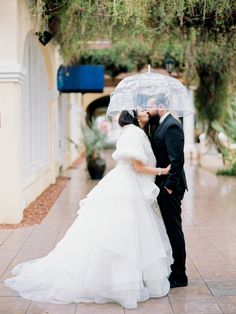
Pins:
x,y
163,117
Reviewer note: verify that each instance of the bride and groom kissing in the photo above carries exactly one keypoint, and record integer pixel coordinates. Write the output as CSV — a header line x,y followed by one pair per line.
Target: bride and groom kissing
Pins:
x,y
126,244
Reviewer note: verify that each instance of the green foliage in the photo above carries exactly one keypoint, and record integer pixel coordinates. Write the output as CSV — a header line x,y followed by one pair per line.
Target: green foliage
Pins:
x,y
108,57
211,95
79,21
213,66
207,16
168,44
229,155
74,22
199,34
119,58
228,126
93,140
231,171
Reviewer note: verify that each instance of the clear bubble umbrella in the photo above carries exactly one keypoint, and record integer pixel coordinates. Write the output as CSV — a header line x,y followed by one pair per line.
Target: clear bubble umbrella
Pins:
x,y
150,91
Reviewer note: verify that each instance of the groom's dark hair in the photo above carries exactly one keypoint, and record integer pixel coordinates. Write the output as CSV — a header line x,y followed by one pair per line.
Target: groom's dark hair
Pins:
x,y
126,118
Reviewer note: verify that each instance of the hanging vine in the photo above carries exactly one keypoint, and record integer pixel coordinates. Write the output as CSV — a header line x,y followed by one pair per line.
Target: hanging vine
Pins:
x,y
199,34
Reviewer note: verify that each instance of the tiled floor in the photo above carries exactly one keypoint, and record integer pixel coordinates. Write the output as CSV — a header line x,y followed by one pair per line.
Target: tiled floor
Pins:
x,y
209,217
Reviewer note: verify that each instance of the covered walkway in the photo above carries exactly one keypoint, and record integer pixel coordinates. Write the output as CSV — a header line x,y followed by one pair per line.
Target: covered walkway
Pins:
x,y
209,217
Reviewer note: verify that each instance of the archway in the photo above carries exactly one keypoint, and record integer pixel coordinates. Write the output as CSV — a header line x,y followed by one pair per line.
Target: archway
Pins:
x,y
97,110
35,128
97,107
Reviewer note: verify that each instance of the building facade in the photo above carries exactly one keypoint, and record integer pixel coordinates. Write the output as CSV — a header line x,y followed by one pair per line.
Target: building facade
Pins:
x,y
35,120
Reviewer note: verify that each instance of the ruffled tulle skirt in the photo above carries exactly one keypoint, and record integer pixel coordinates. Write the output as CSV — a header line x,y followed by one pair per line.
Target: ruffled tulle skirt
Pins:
x,y
116,250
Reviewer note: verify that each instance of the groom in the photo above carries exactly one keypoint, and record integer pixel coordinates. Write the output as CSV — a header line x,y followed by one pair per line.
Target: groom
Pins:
x,y
167,141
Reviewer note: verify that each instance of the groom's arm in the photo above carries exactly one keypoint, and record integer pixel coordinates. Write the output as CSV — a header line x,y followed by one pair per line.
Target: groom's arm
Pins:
x,y
174,141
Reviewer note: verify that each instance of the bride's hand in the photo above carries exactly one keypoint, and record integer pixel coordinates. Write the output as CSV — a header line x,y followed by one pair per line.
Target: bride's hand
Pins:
x,y
163,171
166,170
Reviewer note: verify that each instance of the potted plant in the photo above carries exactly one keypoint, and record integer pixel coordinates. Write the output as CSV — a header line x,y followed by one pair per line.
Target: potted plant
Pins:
x,y
93,142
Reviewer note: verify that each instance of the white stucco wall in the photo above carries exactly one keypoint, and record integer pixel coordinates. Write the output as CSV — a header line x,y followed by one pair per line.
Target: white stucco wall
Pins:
x,y
18,190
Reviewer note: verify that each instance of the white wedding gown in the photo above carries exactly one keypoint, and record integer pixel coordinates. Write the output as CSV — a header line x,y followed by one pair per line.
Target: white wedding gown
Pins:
x,y
116,250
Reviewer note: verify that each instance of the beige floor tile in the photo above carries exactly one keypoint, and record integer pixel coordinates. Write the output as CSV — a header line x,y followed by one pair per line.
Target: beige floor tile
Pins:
x,y
209,222
19,235
227,304
218,259
62,234
221,275
230,255
153,306
7,292
194,276
7,254
194,288
13,245
200,252
24,257
6,274
197,312
192,271
222,288
48,232
48,308
39,241
6,257
4,234
109,308
42,246
13,305
194,304
16,239
229,244
208,263
232,230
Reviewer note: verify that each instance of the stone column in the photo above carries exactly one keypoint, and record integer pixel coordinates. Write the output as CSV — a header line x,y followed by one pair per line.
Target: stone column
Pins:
x,y
54,163
11,196
12,74
188,124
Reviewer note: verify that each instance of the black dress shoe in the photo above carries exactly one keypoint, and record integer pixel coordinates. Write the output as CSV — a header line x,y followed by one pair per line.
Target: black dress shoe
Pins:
x,y
176,284
180,282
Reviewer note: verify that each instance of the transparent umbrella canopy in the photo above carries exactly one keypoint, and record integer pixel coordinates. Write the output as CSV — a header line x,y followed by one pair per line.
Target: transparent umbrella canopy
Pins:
x,y
150,91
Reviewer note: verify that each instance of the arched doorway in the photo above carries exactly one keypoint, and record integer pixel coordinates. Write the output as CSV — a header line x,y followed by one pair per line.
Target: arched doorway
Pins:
x,y
34,113
97,107
97,110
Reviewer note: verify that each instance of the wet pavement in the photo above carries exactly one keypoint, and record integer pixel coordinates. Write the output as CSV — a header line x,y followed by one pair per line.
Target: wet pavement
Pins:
x,y
209,218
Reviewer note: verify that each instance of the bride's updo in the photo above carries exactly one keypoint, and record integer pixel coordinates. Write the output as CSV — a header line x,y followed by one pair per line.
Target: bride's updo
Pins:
x,y
128,117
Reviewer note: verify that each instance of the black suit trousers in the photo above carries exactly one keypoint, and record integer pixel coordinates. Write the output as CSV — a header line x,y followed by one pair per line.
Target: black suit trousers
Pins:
x,y
170,207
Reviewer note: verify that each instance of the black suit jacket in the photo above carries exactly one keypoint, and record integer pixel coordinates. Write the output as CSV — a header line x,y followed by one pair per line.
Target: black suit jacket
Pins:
x,y
168,146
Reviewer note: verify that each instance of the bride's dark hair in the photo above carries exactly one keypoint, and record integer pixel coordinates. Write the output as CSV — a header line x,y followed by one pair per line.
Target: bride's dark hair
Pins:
x,y
126,118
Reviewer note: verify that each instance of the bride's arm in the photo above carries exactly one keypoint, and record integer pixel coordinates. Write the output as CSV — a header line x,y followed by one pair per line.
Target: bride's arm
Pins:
x,y
140,167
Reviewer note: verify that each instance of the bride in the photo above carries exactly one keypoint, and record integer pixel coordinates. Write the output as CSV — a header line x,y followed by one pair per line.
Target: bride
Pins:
x,y
117,249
